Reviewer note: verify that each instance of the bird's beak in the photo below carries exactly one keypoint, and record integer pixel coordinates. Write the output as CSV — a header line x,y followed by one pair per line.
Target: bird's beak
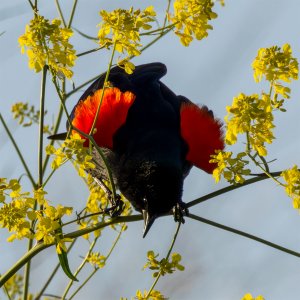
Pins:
x,y
148,220
59,136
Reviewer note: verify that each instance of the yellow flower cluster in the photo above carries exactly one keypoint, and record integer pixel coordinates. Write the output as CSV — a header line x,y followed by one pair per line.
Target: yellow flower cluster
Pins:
x,y
96,260
275,63
154,295
16,216
14,286
250,297
122,28
47,43
74,149
48,219
232,169
163,266
27,115
191,19
292,187
253,116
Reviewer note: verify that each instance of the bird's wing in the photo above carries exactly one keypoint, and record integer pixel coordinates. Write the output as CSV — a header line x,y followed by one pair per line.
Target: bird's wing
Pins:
x,y
202,132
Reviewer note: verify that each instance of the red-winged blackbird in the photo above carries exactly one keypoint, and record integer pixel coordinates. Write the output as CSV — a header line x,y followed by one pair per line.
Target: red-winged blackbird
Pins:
x,y
151,137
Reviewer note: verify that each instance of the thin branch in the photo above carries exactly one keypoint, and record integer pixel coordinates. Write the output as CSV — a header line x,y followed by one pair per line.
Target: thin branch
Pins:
x,y
84,283
167,258
82,85
41,292
7,292
55,130
18,152
41,127
60,13
22,261
167,12
93,244
85,35
260,177
40,172
31,4
247,235
89,51
72,13
96,269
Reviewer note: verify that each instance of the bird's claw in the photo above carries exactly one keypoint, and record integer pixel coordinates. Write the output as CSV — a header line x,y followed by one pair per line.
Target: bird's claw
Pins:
x,y
117,208
180,210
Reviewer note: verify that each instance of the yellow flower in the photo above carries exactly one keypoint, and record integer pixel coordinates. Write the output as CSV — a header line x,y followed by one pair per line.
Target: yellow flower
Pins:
x,y
122,28
72,148
96,260
154,295
253,116
250,297
275,63
292,187
47,43
163,266
232,169
191,19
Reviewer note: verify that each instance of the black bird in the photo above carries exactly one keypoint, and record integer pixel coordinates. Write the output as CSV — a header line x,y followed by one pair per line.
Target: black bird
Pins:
x,y
151,137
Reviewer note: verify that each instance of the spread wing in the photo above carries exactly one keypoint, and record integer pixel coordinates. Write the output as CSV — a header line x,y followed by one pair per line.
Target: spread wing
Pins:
x,y
202,132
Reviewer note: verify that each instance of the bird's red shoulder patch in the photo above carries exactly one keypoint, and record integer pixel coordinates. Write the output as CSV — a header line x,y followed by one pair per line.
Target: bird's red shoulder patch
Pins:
x,y
203,134
112,115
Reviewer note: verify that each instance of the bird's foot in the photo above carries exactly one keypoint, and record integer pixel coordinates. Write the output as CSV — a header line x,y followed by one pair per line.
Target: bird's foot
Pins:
x,y
117,208
180,210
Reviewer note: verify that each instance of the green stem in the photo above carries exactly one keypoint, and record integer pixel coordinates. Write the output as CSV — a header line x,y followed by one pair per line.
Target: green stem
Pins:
x,y
103,224
167,258
72,13
89,51
167,12
260,177
84,283
155,40
60,13
48,178
159,30
55,130
31,4
265,171
82,218
244,234
96,269
7,293
86,35
81,86
18,152
22,261
40,173
79,269
41,127
41,292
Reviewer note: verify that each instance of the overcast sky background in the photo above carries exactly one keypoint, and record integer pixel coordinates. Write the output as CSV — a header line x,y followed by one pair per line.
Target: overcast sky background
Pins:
x,y
219,264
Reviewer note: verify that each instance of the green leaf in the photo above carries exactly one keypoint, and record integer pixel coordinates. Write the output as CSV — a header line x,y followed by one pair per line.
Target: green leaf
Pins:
x,y
63,259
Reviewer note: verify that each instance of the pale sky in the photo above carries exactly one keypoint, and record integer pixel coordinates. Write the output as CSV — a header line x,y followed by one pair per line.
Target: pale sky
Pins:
x,y
219,265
